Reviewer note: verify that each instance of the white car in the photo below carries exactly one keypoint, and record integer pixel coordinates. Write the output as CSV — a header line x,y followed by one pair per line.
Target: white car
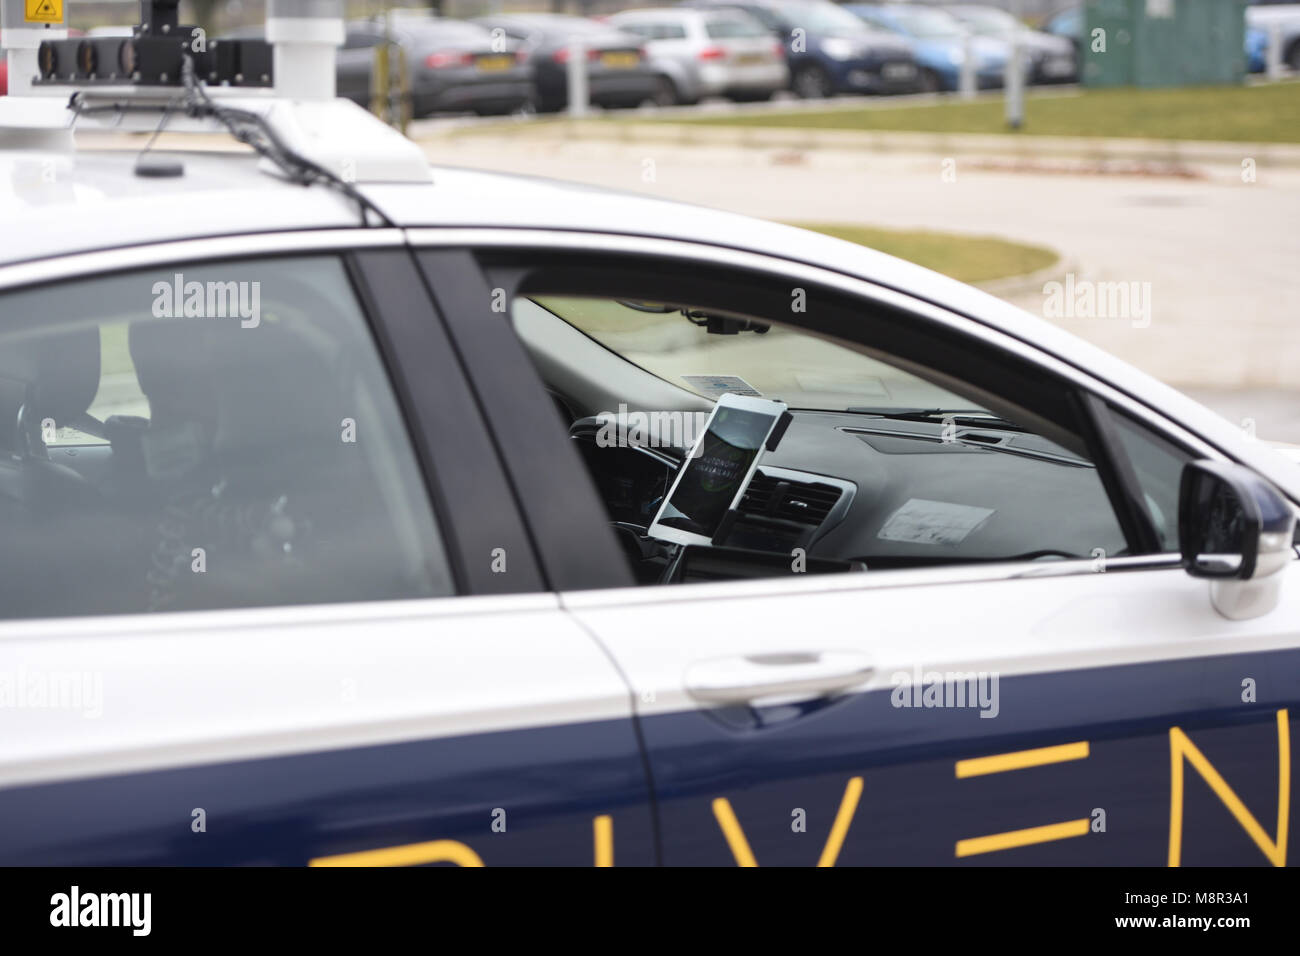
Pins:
x,y
709,52
324,498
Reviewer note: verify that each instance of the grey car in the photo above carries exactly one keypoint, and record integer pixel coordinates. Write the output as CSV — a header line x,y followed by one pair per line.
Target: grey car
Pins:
x,y
1049,58
709,52
453,66
618,72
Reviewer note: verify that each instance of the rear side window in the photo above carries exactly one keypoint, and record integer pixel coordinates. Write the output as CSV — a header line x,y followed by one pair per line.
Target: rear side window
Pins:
x,y
212,436
654,29
733,28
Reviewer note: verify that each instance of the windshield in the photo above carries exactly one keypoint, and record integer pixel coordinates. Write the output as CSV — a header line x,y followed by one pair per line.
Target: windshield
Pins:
x,y
928,23
786,364
820,18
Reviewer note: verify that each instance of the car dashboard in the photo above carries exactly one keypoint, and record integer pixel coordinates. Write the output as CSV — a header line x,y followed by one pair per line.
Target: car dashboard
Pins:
x,y
848,491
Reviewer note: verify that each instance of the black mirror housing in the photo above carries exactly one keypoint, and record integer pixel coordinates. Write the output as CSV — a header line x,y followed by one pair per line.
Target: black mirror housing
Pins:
x,y
1231,522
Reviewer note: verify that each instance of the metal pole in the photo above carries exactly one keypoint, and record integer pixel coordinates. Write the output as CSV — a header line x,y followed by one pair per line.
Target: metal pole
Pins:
x,y
1015,85
304,35
1273,58
966,83
577,75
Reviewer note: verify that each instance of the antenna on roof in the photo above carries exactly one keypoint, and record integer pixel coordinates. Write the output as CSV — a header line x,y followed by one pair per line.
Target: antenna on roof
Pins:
x,y
24,26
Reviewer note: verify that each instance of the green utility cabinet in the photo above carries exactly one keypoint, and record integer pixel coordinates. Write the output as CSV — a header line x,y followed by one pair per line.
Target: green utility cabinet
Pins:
x,y
1164,42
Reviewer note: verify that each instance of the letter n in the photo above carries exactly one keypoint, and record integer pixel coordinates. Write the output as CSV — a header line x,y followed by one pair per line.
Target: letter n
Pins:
x,y
1181,747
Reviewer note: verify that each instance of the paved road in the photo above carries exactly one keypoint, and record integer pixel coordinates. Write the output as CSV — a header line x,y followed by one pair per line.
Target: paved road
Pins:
x,y
1219,257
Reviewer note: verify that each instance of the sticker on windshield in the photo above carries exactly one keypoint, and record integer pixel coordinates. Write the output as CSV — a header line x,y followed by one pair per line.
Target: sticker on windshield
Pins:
x,y
715,386
933,522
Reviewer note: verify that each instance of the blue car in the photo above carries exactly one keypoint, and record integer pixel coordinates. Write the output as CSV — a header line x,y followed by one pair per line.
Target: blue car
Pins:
x,y
1256,50
1261,19
939,41
830,51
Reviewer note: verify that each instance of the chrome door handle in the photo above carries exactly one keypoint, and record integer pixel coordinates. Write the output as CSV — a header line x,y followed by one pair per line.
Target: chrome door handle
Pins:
x,y
734,680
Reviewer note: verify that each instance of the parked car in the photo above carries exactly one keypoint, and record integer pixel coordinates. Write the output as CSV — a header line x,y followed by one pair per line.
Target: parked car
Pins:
x,y
828,49
1051,59
453,66
1286,18
1256,50
940,42
709,52
1067,23
619,74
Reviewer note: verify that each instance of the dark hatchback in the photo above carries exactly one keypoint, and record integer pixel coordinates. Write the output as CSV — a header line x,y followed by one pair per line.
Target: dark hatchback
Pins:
x,y
618,73
454,66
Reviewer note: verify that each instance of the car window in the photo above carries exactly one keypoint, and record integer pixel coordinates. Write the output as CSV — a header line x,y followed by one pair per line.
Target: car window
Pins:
x,y
768,18
724,28
211,436
821,18
928,23
361,41
887,461
664,30
1158,464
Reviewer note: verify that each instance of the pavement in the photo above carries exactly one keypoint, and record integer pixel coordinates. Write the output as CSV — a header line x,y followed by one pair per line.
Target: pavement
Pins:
x,y
1207,246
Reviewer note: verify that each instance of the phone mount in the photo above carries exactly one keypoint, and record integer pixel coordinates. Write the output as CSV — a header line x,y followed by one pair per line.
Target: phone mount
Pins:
x,y
773,439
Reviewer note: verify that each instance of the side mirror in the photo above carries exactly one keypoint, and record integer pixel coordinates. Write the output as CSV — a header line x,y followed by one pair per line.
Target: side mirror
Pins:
x,y
1235,529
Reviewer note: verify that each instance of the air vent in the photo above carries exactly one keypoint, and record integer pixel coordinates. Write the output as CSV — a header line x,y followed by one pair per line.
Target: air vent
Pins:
x,y
805,502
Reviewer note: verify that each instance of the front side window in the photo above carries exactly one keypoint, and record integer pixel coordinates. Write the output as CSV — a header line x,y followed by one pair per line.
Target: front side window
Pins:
x,y
205,436
887,463
1158,467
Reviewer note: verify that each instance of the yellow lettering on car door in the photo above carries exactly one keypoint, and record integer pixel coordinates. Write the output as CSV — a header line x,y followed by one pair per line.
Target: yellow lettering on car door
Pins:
x,y
1181,747
740,848
409,854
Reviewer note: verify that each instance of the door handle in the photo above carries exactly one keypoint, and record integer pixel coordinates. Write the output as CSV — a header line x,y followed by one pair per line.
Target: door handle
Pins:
x,y
733,680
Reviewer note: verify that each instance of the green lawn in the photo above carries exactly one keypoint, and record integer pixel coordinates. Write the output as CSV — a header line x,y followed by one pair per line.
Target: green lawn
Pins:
x,y
968,258
1257,114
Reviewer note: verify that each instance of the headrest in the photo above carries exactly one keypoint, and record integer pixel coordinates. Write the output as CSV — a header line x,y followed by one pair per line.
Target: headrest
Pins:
x,y
174,369
276,389
61,369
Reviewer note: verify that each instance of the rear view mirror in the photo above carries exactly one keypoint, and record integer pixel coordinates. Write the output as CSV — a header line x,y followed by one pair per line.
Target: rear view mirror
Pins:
x,y
1236,529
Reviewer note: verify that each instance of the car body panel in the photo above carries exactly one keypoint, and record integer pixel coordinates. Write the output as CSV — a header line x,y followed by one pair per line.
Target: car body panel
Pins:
x,y
1102,665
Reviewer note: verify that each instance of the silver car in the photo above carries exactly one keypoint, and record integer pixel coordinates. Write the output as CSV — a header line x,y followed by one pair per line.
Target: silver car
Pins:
x,y
709,52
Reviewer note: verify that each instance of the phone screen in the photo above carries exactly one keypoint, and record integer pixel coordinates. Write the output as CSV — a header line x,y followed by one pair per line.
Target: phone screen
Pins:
x,y
711,478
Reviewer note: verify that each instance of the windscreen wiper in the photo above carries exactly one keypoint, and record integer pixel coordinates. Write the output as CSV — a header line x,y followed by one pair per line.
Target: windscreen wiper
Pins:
x,y
961,416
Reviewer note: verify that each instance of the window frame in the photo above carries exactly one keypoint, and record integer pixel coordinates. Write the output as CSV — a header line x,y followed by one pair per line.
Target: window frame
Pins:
x,y
507,256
